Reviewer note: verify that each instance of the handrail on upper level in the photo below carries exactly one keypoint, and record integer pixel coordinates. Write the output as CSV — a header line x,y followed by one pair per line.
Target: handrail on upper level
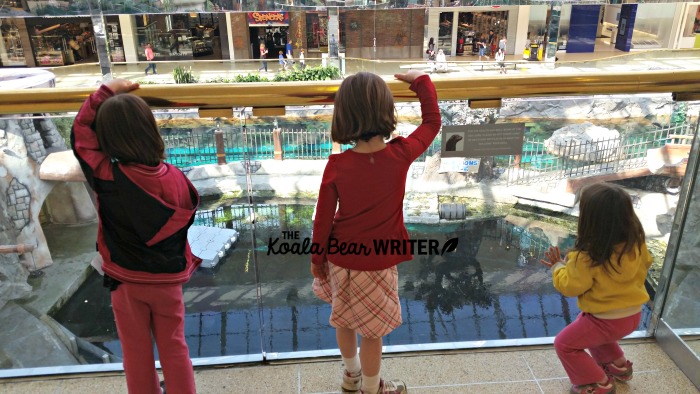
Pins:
x,y
684,84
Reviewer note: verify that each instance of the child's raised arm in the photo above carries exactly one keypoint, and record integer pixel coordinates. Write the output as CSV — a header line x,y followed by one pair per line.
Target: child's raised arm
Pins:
x,y
424,135
84,142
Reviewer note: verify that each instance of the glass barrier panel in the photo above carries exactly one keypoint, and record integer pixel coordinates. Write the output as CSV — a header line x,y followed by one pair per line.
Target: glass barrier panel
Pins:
x,y
494,190
48,246
499,211
681,308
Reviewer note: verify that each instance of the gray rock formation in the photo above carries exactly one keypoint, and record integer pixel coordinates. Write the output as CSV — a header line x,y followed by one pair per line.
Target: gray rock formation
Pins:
x,y
584,142
601,108
24,145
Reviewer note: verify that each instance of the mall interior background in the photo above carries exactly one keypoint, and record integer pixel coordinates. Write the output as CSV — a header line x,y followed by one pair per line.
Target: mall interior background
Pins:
x,y
30,38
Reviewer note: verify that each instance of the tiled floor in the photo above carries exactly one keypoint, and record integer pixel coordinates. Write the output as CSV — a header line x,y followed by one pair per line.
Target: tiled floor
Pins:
x,y
512,370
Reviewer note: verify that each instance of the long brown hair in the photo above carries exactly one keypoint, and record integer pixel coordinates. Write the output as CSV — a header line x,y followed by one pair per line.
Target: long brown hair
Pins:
x,y
127,131
363,108
607,219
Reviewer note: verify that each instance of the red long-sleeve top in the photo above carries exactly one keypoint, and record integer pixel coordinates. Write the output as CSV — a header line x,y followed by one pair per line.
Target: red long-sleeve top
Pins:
x,y
368,191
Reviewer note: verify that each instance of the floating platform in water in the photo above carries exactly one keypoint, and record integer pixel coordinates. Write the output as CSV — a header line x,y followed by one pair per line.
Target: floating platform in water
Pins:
x,y
211,243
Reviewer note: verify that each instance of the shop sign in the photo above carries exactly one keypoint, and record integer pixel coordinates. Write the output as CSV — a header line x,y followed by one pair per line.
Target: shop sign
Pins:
x,y
265,18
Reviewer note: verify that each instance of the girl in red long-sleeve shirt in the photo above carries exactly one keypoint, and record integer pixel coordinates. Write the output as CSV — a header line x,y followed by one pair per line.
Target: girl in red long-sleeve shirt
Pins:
x,y
367,185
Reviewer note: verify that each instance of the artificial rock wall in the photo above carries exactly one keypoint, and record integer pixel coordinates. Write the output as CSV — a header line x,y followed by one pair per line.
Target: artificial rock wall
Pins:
x,y
24,146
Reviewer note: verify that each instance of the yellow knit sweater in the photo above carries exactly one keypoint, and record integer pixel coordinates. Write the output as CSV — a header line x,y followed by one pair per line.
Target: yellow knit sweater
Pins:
x,y
605,293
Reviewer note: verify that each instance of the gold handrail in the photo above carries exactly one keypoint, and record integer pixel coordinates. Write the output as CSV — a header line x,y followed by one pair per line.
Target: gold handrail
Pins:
x,y
684,84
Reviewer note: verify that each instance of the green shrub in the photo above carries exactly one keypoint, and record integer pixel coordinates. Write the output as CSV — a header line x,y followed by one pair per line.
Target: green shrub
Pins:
x,y
250,78
64,125
318,73
184,75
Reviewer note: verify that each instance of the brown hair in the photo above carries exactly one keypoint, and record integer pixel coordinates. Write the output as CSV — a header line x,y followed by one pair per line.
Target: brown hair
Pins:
x,y
606,219
127,131
364,108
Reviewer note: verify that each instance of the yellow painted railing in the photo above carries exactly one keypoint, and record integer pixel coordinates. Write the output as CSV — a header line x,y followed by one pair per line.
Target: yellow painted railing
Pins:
x,y
217,99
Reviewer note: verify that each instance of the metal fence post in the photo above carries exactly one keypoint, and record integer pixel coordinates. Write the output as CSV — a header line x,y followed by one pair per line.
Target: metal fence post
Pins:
x,y
277,143
219,139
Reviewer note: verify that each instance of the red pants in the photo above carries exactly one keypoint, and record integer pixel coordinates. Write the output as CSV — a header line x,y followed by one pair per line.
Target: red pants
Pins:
x,y
143,312
600,337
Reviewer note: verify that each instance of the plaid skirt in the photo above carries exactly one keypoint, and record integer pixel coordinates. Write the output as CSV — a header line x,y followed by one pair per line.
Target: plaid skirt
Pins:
x,y
364,301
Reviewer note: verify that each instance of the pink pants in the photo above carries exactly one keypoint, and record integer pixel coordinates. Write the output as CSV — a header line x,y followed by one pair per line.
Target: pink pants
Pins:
x,y
600,337
143,312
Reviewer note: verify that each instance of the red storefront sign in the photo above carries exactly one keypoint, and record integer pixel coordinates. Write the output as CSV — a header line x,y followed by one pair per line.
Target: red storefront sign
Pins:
x,y
264,18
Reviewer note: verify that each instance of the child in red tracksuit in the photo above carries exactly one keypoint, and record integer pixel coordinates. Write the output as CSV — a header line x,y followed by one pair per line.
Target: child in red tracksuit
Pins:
x,y
145,208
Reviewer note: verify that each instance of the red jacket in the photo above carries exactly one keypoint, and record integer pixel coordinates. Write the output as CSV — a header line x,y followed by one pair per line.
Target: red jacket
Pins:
x,y
144,212
370,193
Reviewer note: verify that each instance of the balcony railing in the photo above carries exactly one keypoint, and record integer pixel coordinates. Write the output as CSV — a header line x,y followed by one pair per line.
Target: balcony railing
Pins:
x,y
237,316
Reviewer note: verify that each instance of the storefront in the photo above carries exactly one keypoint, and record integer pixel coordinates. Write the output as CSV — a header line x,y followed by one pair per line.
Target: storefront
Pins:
x,y
271,29
473,24
62,41
457,31
114,39
317,30
180,36
12,46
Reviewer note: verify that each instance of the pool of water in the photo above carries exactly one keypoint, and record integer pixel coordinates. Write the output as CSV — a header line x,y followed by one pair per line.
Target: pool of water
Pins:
x,y
491,287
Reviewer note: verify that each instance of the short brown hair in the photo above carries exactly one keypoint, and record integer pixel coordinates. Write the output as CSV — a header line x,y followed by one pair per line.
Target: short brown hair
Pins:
x,y
127,131
364,108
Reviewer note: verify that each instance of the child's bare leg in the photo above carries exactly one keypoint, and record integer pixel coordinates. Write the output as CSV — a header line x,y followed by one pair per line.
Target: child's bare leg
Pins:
x,y
347,343
371,359
371,355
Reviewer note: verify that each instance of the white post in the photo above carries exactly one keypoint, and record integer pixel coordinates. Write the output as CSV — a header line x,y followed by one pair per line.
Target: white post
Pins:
x,y
127,24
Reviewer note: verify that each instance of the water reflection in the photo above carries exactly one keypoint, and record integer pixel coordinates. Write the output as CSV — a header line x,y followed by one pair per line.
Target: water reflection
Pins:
x,y
491,287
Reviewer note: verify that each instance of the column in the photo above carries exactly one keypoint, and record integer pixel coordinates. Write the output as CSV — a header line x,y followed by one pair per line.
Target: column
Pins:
x,y
433,27
99,27
127,25
455,30
519,21
552,32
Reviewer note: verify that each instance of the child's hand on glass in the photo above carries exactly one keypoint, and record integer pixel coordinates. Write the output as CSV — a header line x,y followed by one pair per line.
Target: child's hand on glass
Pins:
x,y
552,256
120,85
410,76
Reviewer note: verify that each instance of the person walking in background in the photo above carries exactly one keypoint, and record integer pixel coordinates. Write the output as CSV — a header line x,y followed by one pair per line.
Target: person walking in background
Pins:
x,y
368,183
174,44
283,63
431,54
606,270
500,58
263,56
145,207
290,61
333,47
481,42
503,43
492,43
289,48
431,49
302,61
149,57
